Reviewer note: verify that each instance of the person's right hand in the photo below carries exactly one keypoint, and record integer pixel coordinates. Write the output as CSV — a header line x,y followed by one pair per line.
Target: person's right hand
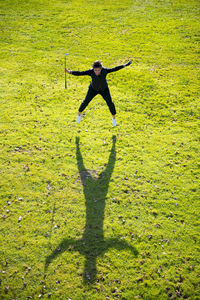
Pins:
x,y
67,71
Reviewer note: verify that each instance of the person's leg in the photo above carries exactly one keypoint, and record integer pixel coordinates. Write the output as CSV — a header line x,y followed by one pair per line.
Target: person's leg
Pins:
x,y
90,95
107,97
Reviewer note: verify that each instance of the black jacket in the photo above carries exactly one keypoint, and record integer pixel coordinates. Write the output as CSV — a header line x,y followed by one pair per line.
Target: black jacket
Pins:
x,y
98,83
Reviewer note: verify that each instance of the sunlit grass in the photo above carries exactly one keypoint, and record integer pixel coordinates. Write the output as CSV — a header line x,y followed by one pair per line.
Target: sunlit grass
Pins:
x,y
152,199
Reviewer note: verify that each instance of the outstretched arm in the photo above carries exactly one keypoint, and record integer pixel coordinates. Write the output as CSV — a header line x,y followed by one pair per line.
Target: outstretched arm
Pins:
x,y
118,67
77,73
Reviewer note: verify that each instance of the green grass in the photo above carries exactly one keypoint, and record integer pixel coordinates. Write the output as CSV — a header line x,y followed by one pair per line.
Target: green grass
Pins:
x,y
128,228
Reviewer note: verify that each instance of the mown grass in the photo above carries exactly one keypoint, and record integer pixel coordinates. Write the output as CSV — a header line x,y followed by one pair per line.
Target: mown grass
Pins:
x,y
128,228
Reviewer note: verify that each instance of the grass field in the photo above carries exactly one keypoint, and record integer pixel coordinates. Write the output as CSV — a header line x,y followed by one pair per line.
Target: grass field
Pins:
x,y
92,211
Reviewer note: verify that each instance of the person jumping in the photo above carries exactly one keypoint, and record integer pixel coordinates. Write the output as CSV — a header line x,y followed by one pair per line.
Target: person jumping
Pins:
x,y
98,85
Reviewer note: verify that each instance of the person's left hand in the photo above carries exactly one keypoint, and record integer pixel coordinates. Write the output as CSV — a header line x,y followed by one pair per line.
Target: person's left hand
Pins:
x,y
128,63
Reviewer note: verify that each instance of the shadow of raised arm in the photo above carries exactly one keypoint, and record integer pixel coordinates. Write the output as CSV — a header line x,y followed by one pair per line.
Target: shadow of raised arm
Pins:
x,y
120,245
66,244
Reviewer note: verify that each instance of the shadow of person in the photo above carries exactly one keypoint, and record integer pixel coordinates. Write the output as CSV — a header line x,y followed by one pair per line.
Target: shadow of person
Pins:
x,y
92,244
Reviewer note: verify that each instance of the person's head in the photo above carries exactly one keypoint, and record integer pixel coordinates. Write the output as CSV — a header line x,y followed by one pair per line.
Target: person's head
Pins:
x,y
97,66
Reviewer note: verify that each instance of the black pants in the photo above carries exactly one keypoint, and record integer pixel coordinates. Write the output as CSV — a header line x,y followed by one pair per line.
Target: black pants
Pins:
x,y
106,96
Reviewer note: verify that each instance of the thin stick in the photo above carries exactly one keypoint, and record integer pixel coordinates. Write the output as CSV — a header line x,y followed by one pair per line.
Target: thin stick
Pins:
x,y
65,74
